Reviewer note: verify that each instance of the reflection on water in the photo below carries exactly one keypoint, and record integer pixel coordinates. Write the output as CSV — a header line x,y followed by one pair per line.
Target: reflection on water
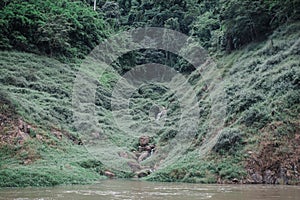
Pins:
x,y
132,190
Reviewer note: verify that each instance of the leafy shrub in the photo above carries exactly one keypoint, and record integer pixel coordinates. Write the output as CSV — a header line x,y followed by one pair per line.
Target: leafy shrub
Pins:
x,y
255,116
90,164
244,99
229,139
292,98
230,170
168,134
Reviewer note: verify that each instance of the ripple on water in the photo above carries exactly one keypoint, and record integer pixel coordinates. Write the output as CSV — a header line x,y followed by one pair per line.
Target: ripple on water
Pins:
x,y
136,190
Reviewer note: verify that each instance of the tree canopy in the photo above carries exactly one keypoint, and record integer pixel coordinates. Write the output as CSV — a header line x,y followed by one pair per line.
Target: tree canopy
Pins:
x,y
72,28
68,28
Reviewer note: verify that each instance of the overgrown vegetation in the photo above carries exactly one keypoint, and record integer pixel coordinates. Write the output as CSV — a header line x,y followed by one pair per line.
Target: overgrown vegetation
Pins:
x,y
257,46
56,28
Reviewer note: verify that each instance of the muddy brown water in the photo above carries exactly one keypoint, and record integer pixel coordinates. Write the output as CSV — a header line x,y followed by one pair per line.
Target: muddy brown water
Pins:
x,y
132,190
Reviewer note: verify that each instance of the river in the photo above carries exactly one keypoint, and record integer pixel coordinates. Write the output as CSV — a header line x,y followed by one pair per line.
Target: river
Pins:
x,y
132,190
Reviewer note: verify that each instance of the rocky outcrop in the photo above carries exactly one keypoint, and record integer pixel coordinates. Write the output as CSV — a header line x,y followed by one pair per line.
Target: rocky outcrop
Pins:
x,y
14,130
144,151
109,174
123,154
143,156
134,166
276,160
144,140
256,178
143,173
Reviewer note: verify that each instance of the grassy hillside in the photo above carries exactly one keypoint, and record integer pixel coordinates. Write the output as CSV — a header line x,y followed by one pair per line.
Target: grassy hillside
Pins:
x,y
261,129
257,141
37,146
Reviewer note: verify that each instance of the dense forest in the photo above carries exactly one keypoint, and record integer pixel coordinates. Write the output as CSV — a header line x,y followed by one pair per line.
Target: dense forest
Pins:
x,y
72,28
254,45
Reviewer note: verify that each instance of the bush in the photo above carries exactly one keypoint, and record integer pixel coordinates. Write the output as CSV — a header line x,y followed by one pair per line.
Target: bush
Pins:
x,y
168,134
229,139
255,116
229,170
243,100
90,164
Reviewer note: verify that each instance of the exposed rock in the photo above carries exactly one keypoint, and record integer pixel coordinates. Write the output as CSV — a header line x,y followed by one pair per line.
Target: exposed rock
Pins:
x,y
96,135
134,166
27,162
162,113
140,149
78,141
109,174
219,181
276,159
39,137
149,148
20,124
123,154
132,156
143,173
235,180
23,126
137,154
29,129
256,178
270,177
22,136
57,134
284,175
144,140
143,156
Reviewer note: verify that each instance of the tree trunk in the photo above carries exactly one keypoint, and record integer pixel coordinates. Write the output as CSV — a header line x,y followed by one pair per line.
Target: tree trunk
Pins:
x,y
95,2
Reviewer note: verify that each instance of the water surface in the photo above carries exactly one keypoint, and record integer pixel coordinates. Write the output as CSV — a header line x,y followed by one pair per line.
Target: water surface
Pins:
x,y
132,190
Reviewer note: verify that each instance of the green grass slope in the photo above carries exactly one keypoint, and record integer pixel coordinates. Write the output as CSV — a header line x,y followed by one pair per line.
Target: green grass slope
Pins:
x,y
261,124
258,87
38,147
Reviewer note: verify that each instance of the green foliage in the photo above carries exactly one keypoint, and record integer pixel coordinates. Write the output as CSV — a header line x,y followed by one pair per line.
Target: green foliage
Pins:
x,y
58,28
230,169
283,11
242,100
229,139
243,22
203,28
257,116
40,87
48,166
208,170
44,176
95,165
108,79
228,25
261,83
167,135
72,28
156,13
90,164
